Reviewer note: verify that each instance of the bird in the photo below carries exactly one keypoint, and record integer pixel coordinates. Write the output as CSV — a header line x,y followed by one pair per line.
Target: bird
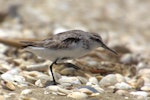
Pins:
x,y
70,44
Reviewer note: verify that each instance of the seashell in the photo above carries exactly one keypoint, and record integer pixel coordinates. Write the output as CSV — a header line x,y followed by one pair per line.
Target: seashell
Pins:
x,y
122,92
85,90
111,80
100,90
53,88
26,91
42,82
2,97
122,86
140,93
78,95
61,94
65,91
88,88
9,75
33,76
127,59
72,80
9,96
37,67
8,85
26,98
82,80
142,98
146,88
67,85
93,80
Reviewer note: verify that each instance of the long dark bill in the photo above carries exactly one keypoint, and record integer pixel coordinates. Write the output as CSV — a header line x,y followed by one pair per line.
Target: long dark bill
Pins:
x,y
104,46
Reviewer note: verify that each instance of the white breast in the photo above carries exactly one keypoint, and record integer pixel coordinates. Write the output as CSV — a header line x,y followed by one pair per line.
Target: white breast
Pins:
x,y
52,54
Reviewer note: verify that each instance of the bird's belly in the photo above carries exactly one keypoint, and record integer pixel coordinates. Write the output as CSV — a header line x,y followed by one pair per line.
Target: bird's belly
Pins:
x,y
52,54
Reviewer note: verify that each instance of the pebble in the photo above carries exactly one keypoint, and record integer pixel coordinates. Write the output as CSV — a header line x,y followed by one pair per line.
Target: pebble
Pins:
x,y
128,59
42,82
26,91
140,93
85,90
9,75
83,80
111,80
37,67
65,91
89,88
26,98
72,80
53,88
2,97
100,90
14,77
122,86
78,95
8,85
142,98
122,92
93,80
10,95
146,88
57,90
33,76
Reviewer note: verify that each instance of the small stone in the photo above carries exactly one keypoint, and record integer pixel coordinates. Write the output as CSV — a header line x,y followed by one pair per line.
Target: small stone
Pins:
x,y
64,91
140,93
53,88
126,59
89,88
78,95
26,91
9,96
146,88
111,80
82,80
93,80
122,92
141,98
42,82
72,80
122,86
2,97
37,67
85,90
100,90
8,85
26,98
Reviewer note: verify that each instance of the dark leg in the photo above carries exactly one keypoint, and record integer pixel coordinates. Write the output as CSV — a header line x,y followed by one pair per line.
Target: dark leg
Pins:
x,y
54,62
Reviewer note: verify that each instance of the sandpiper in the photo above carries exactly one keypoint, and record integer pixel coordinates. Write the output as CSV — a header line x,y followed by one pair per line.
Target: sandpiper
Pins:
x,y
69,44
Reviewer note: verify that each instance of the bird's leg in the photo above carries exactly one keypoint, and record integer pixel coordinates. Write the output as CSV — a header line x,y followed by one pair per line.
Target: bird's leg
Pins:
x,y
51,69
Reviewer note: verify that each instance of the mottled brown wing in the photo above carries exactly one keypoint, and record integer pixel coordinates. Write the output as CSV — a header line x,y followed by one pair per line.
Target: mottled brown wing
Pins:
x,y
66,43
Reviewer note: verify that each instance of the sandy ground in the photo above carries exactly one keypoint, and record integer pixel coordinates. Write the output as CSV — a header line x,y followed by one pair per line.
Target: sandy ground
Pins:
x,y
124,21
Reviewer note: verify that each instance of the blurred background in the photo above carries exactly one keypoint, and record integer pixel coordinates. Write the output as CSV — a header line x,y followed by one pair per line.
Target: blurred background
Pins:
x,y
123,22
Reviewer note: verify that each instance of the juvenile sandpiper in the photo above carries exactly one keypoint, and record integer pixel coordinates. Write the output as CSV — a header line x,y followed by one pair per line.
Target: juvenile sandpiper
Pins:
x,y
70,44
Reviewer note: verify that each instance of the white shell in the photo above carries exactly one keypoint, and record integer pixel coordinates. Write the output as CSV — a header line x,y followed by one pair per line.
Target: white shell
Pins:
x,y
78,95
